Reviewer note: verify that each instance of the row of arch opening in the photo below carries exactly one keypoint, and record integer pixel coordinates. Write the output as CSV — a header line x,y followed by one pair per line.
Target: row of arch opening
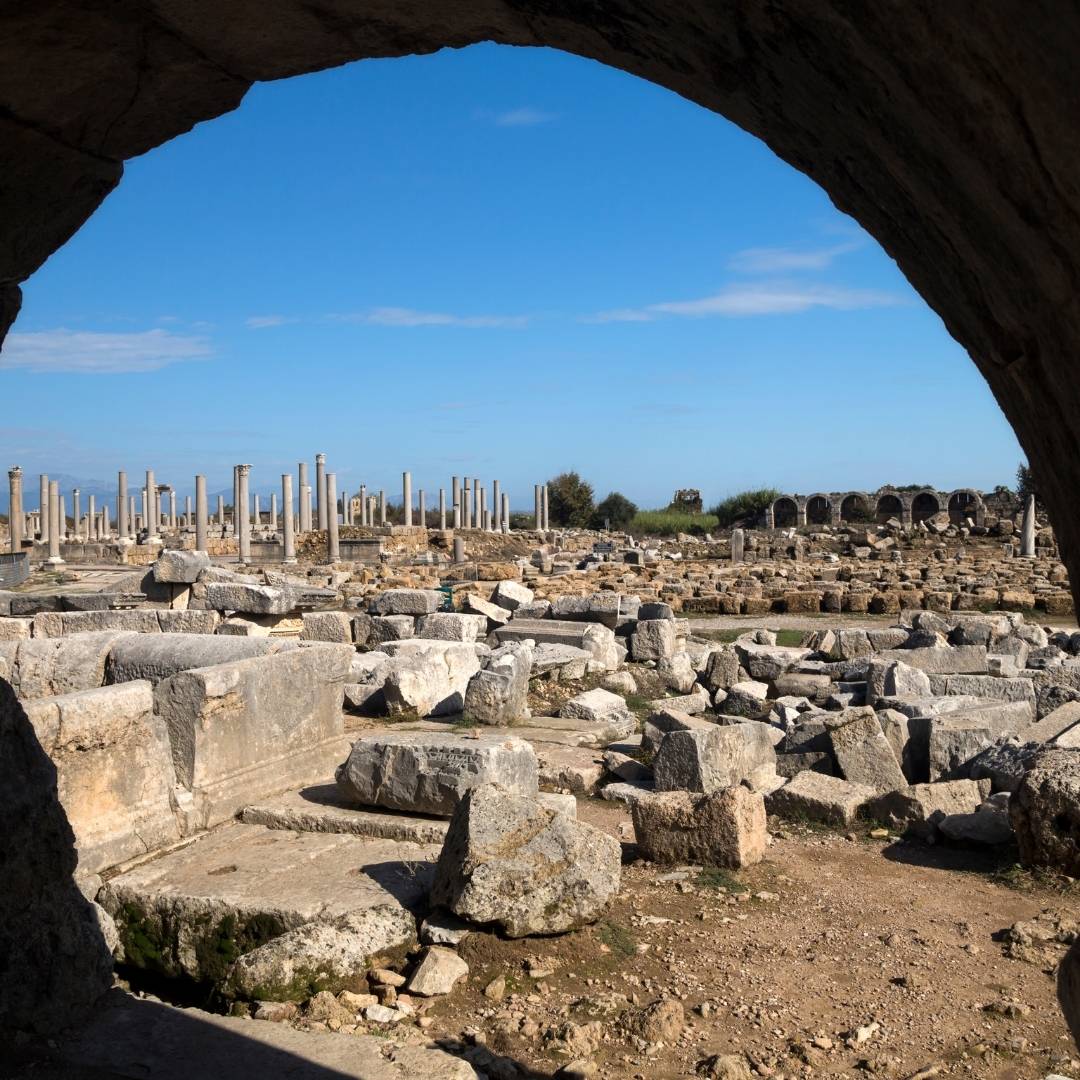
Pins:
x,y
857,507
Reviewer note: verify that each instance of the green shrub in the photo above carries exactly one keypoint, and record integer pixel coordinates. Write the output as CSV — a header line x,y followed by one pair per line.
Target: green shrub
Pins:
x,y
570,500
616,509
746,505
670,522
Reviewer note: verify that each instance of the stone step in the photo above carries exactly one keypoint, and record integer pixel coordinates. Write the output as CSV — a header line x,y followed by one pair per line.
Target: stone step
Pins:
x,y
193,911
128,1037
322,808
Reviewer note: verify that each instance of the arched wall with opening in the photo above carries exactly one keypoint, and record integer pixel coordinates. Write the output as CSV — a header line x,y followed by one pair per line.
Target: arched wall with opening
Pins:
x,y
888,506
785,512
818,509
924,505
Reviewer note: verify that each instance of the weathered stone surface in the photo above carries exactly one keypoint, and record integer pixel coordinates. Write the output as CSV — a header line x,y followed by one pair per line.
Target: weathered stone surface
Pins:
x,y
918,810
1045,812
577,770
451,626
114,771
862,752
560,661
57,961
193,911
430,773
598,707
15,629
65,623
510,861
1068,983
50,666
747,699
188,622
668,719
158,656
256,727
253,599
968,659
987,827
708,760
331,626
722,669
326,808
428,677
768,662
512,595
439,969
725,828
597,640
956,738
817,797
653,639
180,567
320,956
406,602
499,692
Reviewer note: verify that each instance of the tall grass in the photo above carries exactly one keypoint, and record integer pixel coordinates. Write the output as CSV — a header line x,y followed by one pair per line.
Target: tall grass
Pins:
x,y
670,522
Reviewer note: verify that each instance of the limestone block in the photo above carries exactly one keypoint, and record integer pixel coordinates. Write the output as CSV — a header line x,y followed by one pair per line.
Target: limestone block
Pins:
x,y
60,624
510,861
966,659
597,640
452,626
596,706
725,828
114,771
957,737
919,809
768,662
15,629
158,656
189,622
406,602
512,595
665,719
48,666
861,750
254,727
817,797
332,626
439,969
1045,812
722,669
180,567
430,772
428,677
653,639
707,760
249,599
498,694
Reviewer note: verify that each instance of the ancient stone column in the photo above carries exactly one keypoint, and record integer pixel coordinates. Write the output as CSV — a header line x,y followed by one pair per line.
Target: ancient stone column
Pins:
x,y
538,502
301,487
546,509
305,506
149,518
202,525
273,511
242,519
364,519
320,489
91,518
1027,530
121,505
442,509
132,524
505,513
382,507
288,537
54,526
188,518
496,506
221,512
477,503
172,509
104,533
422,502
256,516
332,553
455,501
406,497
466,509
43,503
738,545
76,513
15,508
62,518
459,549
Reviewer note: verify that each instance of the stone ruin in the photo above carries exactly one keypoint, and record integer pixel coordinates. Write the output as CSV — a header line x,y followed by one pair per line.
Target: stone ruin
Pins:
x,y
222,767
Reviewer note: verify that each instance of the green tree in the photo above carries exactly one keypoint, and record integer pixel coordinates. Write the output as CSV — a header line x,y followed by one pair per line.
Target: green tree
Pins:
x,y
744,506
570,500
1025,484
616,509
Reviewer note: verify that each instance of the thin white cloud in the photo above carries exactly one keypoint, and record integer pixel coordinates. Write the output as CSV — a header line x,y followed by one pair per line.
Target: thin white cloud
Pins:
x,y
401,316
526,116
261,322
766,260
94,353
743,300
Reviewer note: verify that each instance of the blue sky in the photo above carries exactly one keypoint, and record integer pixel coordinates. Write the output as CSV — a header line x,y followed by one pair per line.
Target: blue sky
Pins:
x,y
494,261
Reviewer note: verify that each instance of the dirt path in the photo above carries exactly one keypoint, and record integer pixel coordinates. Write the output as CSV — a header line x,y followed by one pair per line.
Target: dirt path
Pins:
x,y
833,935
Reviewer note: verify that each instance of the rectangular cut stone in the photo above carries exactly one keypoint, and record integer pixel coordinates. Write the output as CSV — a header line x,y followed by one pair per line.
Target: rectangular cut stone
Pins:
x,y
428,677
15,629
429,773
955,738
861,750
156,657
47,666
597,640
190,911
949,660
180,567
996,689
696,759
325,808
818,797
254,599
452,626
63,623
331,626
114,771
189,622
917,809
406,602
255,727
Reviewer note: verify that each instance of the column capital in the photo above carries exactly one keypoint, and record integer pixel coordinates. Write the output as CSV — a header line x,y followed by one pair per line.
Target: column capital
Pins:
x,y
15,472
320,459
243,469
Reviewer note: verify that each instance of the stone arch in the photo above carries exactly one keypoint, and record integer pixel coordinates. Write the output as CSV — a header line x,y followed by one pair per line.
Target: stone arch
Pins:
x,y
924,504
888,505
964,503
855,507
785,512
818,509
